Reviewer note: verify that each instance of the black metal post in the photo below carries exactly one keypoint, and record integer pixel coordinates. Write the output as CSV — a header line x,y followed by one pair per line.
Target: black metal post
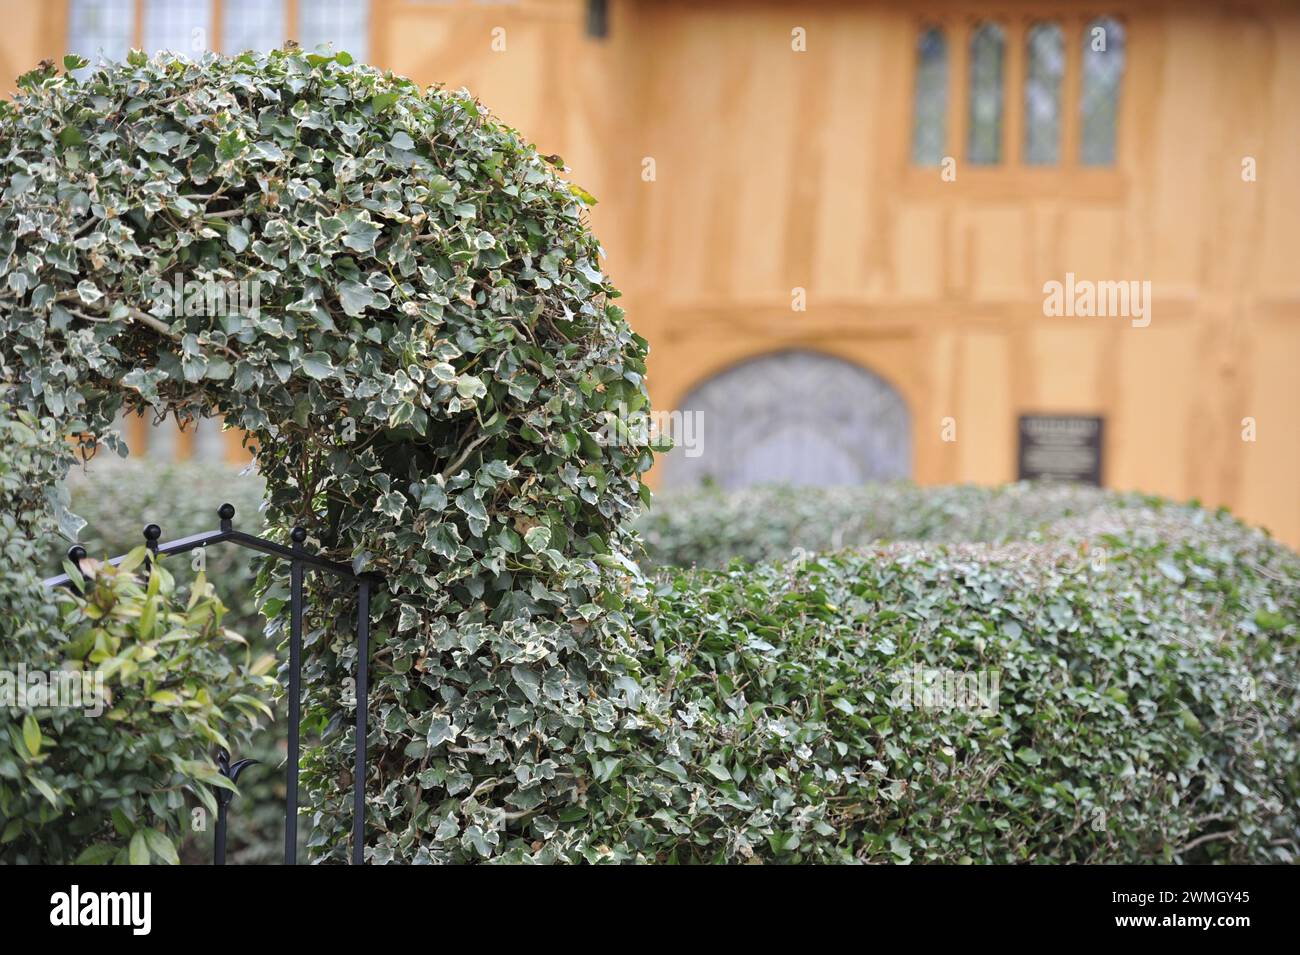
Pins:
x,y
231,772
295,703
151,534
363,705
219,839
76,554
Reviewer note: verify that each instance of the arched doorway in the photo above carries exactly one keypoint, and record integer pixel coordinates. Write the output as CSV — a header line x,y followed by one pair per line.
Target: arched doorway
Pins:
x,y
794,417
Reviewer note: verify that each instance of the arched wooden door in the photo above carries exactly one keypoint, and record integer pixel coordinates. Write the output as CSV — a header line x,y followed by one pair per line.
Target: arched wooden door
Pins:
x,y
795,417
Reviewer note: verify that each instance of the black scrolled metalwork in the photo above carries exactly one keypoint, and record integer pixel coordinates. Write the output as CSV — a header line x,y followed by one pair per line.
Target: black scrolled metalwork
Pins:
x,y
300,561
298,535
231,772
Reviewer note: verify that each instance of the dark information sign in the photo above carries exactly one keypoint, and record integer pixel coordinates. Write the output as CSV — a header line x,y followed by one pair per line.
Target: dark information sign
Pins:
x,y
1060,448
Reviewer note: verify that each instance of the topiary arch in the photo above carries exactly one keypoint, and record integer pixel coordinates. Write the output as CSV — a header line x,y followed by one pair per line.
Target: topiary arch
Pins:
x,y
432,353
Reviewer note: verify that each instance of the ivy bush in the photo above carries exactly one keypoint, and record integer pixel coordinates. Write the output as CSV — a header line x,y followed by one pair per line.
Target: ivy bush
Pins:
x,y
434,351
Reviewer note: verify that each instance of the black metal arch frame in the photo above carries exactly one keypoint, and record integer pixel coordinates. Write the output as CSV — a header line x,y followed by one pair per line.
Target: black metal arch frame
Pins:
x,y
299,562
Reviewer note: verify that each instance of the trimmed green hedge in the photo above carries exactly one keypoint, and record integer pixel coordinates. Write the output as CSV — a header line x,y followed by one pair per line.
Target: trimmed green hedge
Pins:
x,y
710,527
1147,661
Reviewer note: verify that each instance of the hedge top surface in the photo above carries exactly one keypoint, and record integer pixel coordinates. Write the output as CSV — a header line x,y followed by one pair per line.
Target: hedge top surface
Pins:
x,y
430,356
710,527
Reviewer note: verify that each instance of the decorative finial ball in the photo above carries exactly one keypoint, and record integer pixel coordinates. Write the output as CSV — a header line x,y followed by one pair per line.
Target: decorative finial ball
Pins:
x,y
299,534
226,511
152,532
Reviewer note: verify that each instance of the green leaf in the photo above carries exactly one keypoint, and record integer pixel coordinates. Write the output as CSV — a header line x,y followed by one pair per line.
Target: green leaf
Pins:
x,y
1028,756
900,849
582,194
355,297
433,498
148,618
470,386
218,370
1268,620
361,235
317,365
538,538
719,772
237,237
161,847
44,788
32,734
139,848
101,853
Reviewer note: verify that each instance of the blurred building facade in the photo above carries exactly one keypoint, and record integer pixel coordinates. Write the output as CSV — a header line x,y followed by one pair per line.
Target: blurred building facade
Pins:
x,y
836,222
